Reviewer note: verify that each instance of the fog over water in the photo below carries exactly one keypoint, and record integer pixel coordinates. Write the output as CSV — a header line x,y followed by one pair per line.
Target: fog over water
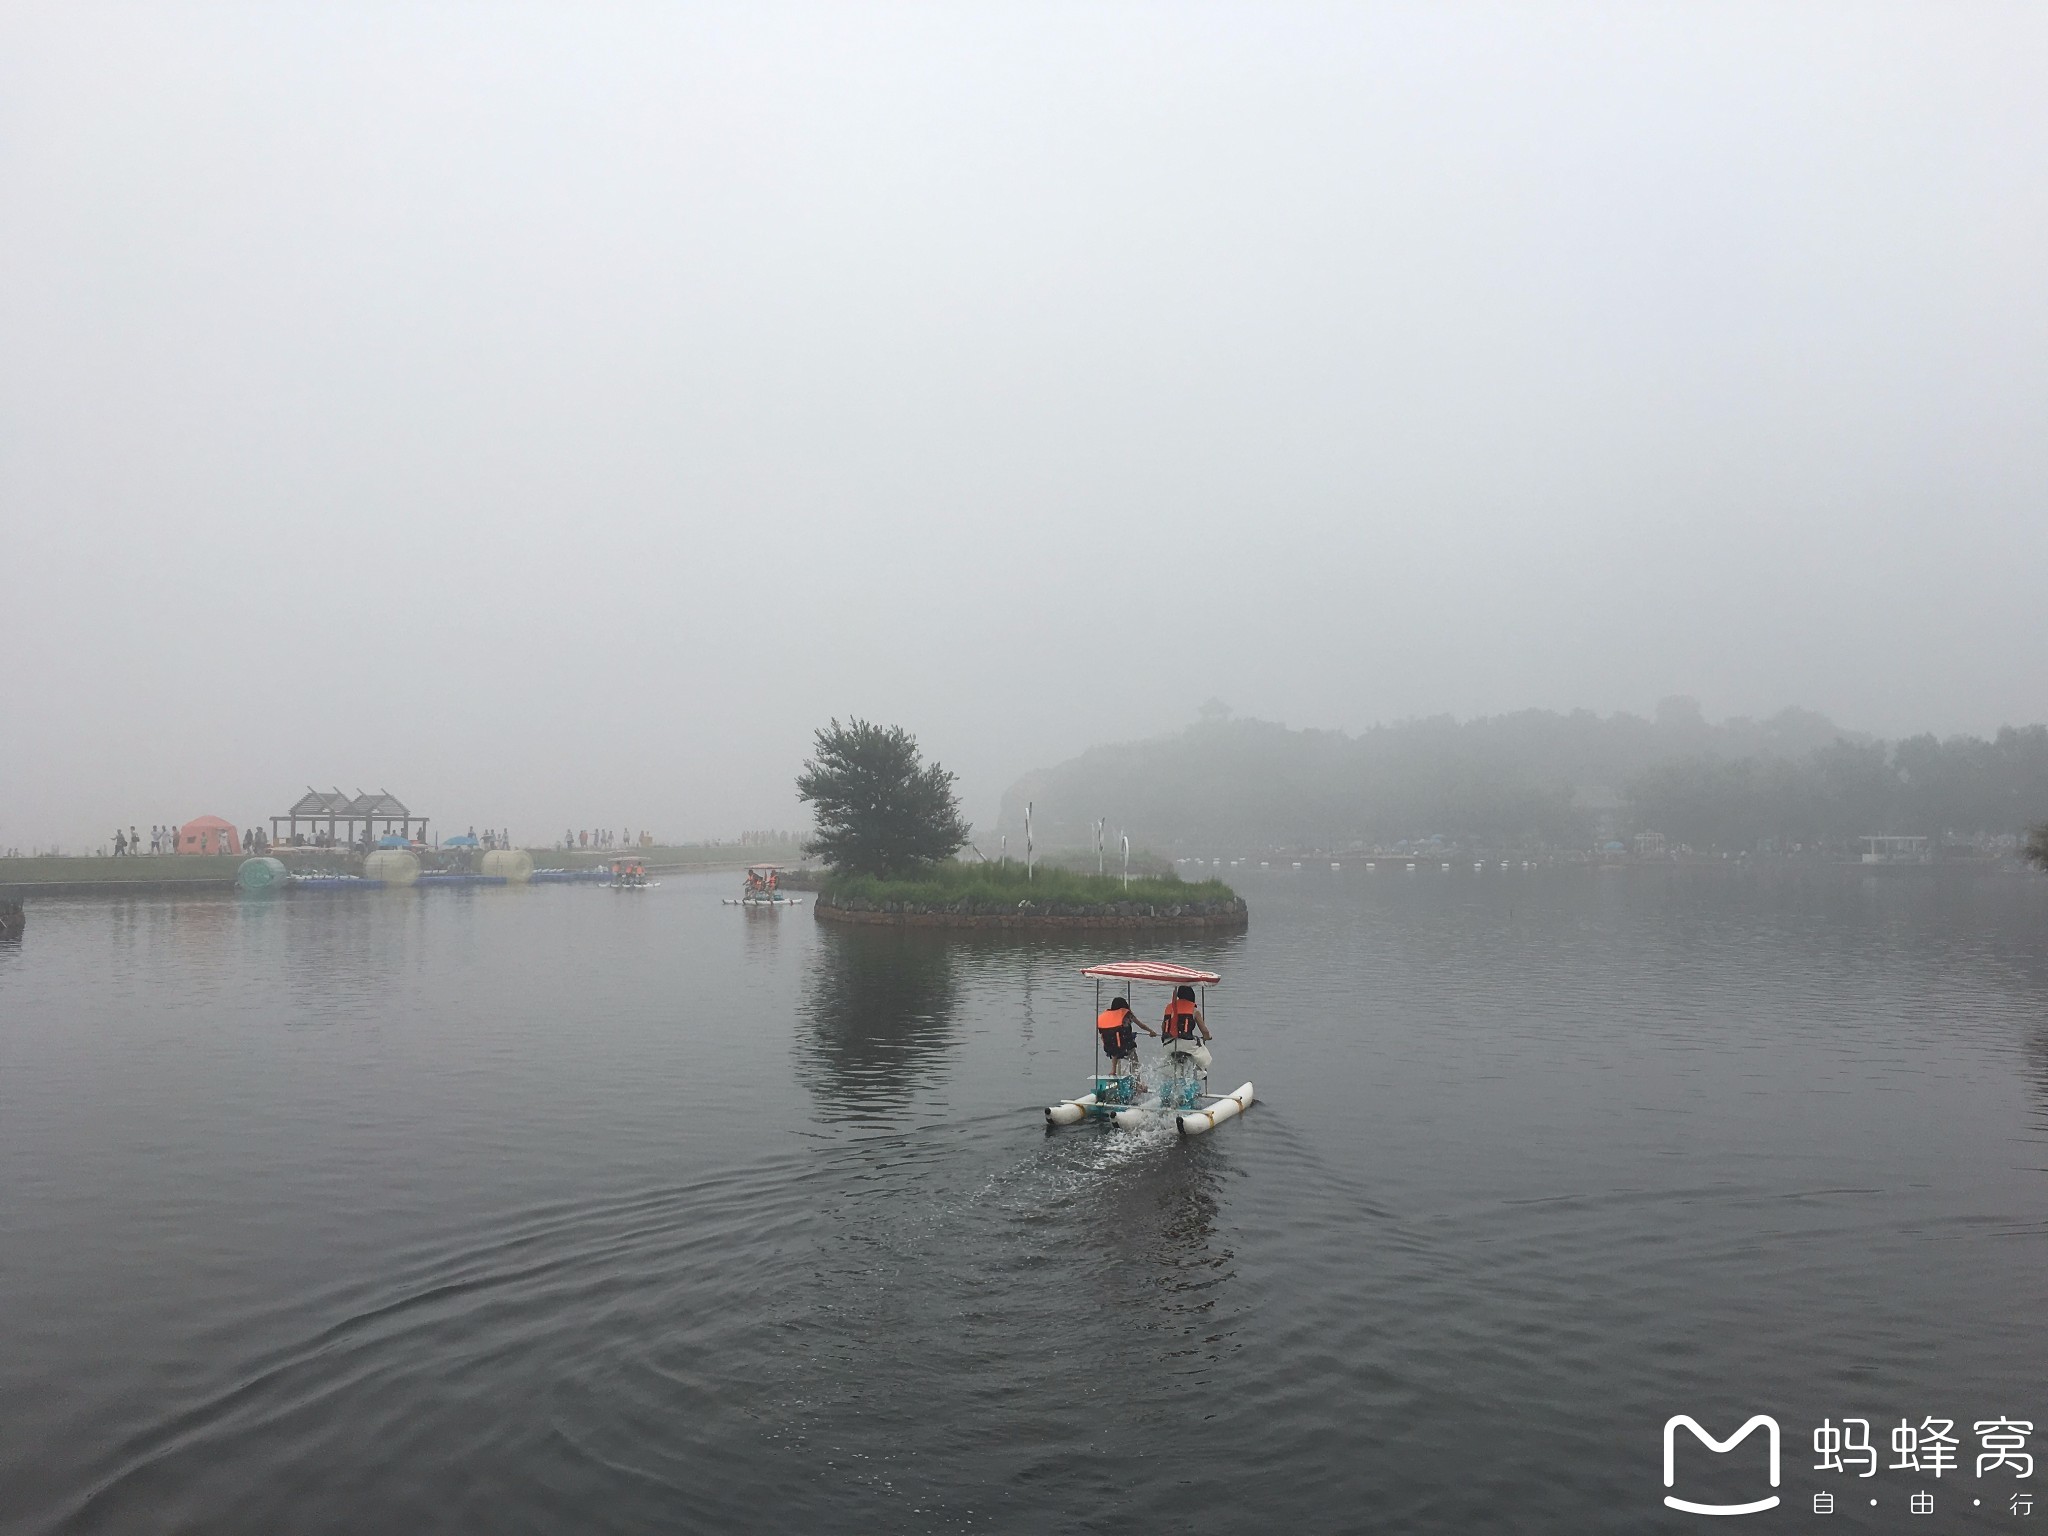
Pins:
x,y
554,414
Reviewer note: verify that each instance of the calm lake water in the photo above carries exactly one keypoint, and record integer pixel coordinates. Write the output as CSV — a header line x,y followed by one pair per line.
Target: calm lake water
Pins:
x,y
562,1210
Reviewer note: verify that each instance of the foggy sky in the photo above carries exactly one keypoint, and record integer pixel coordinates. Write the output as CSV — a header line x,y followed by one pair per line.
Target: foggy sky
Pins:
x,y
554,413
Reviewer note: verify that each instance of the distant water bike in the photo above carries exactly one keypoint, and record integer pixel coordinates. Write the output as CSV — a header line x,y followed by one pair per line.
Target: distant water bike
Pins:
x,y
763,889
631,875
1126,1100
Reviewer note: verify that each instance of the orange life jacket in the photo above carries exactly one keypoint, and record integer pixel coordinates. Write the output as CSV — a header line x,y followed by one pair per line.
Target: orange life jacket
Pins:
x,y
1179,1023
1114,1027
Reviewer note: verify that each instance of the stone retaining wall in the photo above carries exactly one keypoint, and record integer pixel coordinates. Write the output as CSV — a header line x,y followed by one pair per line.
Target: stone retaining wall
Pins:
x,y
33,890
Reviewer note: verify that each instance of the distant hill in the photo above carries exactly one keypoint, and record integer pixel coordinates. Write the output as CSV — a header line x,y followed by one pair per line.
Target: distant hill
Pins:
x,y
1536,777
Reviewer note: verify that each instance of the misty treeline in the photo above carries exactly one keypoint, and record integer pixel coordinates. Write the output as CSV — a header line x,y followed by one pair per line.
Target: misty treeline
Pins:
x,y
1540,778
1960,787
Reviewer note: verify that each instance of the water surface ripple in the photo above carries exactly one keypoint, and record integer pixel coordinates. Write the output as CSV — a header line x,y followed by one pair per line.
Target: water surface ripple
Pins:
x,y
557,1210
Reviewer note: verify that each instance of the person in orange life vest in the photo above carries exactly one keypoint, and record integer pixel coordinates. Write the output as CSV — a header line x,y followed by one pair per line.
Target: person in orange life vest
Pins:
x,y
1117,1029
1185,1031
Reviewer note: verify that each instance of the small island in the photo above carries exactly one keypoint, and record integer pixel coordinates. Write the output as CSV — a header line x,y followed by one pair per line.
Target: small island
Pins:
x,y
957,895
890,830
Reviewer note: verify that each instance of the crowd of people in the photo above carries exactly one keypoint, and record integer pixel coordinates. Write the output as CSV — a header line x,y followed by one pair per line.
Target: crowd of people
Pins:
x,y
131,844
128,844
605,837
490,837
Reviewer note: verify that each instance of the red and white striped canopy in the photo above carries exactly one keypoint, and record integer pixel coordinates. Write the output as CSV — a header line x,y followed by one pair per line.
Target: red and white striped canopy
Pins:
x,y
1154,970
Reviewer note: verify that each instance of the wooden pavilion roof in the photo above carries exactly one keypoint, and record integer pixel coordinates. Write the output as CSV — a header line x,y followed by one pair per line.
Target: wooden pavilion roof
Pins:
x,y
315,805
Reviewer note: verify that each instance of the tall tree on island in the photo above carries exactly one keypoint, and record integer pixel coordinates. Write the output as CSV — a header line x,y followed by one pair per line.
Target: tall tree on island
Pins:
x,y
2037,845
880,808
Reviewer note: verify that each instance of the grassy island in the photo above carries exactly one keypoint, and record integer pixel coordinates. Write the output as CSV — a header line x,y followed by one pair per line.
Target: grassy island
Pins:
x,y
1001,896
889,825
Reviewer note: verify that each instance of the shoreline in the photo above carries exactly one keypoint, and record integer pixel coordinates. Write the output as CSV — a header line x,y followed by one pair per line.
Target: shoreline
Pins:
x,y
24,891
162,874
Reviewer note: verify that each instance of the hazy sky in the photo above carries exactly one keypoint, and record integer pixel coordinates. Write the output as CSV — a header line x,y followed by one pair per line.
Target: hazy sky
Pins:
x,y
553,413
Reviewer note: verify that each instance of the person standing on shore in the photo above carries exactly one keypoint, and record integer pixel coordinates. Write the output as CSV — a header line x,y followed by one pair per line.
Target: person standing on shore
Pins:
x,y
120,843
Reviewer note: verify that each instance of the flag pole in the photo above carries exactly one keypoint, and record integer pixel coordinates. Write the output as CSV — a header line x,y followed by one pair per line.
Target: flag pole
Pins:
x,y
1027,839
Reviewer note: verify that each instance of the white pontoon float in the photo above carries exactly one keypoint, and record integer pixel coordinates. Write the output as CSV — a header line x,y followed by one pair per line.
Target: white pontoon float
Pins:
x,y
1128,1102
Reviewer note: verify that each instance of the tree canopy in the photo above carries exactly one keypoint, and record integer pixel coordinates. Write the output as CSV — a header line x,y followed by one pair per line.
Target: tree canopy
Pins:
x,y
880,808
1540,778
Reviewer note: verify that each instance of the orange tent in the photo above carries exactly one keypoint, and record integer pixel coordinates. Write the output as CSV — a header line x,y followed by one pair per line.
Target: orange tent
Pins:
x,y
208,834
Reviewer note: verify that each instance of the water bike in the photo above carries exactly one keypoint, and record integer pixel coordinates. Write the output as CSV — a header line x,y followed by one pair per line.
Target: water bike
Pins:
x,y
631,875
1125,1099
762,889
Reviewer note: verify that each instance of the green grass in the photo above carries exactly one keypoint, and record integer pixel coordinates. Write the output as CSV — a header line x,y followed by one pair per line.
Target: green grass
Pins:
x,y
1005,885
1082,862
